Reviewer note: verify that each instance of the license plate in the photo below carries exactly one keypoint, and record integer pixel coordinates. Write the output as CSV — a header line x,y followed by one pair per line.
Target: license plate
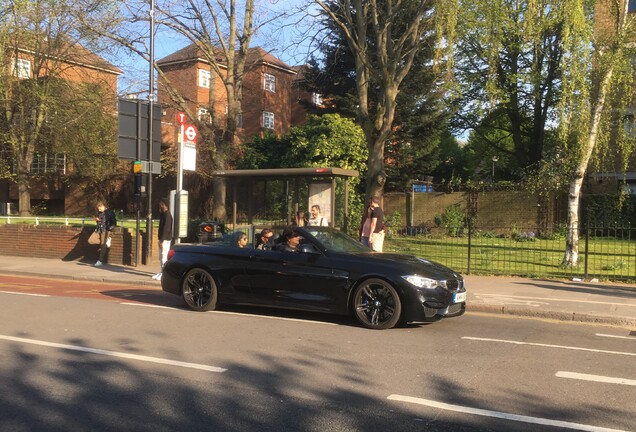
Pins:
x,y
459,297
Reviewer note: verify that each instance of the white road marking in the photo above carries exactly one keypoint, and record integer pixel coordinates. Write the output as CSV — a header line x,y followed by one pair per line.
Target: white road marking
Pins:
x,y
556,299
26,294
115,354
617,337
501,415
596,378
273,317
549,346
147,305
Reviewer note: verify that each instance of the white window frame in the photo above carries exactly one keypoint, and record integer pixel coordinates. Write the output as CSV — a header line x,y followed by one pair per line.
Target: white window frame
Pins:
x,y
204,115
204,78
48,163
268,120
316,99
22,68
269,82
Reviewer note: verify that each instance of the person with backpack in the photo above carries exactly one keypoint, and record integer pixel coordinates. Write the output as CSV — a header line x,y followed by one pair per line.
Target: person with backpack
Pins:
x,y
106,223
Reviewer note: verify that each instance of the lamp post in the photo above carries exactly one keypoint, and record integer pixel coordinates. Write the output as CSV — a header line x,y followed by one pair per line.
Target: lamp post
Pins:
x,y
494,159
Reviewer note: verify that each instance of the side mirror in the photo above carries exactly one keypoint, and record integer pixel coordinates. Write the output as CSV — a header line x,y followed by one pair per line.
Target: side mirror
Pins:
x,y
309,248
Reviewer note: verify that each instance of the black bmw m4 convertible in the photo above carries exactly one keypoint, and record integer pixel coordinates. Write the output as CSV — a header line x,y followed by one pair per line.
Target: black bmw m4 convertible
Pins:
x,y
330,272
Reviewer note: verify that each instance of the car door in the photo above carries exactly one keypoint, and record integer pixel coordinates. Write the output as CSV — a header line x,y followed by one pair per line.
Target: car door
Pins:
x,y
296,280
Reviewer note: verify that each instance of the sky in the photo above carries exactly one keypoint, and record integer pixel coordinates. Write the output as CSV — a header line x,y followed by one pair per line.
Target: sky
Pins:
x,y
284,38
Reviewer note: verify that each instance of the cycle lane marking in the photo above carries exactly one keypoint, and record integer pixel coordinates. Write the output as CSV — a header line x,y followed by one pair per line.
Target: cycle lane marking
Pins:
x,y
499,414
115,354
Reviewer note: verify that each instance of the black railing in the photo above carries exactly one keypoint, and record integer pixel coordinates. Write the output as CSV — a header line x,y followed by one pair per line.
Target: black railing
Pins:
x,y
607,253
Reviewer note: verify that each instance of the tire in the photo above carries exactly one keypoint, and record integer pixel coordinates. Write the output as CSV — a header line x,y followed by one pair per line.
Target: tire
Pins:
x,y
199,290
376,304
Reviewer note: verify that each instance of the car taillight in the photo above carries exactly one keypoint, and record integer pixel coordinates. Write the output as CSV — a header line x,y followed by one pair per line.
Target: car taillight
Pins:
x,y
170,254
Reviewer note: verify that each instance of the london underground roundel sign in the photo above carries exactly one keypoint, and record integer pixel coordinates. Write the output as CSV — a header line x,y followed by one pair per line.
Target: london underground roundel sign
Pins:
x,y
190,134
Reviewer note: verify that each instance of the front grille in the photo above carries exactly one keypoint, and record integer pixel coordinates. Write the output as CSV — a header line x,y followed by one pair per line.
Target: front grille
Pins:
x,y
454,308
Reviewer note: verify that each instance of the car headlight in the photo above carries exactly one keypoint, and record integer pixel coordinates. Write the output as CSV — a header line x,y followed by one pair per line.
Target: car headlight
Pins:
x,y
421,282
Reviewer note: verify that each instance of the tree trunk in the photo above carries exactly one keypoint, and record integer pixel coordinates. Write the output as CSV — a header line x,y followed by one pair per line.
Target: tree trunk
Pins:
x,y
571,256
24,195
219,211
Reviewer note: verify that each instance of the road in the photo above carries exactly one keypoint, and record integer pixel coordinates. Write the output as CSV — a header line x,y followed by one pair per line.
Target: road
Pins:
x,y
86,356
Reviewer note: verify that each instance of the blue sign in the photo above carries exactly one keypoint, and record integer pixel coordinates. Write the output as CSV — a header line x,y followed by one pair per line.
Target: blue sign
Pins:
x,y
422,188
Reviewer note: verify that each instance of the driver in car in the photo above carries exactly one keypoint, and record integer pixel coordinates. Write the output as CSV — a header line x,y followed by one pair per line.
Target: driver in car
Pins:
x,y
289,240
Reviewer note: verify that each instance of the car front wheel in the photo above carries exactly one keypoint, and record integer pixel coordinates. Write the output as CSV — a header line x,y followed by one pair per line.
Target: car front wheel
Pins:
x,y
376,304
199,290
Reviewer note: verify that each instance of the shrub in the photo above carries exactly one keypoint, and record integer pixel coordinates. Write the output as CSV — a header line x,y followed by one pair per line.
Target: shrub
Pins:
x,y
453,220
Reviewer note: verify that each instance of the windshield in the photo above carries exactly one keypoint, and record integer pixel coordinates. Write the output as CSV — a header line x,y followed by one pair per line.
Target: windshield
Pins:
x,y
336,241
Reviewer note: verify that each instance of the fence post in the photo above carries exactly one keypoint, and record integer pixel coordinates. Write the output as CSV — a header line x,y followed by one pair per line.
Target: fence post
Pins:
x,y
470,231
587,242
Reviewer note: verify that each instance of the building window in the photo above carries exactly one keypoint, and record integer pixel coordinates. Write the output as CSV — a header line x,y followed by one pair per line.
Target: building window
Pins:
x,y
269,83
204,116
204,78
22,68
631,6
48,163
268,120
316,99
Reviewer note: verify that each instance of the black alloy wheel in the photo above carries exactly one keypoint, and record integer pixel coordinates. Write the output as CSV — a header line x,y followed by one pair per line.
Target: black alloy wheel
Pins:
x,y
376,304
199,290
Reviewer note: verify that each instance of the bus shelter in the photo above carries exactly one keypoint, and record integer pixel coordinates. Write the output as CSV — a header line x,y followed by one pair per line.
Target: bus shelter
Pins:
x,y
321,184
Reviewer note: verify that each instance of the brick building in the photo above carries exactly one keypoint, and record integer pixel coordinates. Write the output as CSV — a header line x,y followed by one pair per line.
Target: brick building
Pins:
x,y
272,99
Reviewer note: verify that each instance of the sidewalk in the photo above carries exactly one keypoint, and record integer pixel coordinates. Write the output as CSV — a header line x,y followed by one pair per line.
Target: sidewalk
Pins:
x,y
603,303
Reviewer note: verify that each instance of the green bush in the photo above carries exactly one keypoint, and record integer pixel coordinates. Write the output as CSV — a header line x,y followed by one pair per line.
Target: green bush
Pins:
x,y
453,220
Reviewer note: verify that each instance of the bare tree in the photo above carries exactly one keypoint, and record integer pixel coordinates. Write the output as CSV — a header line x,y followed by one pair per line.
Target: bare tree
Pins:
x,y
384,37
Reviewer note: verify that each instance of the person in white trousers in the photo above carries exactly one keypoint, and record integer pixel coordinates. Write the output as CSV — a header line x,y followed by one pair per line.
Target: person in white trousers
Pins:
x,y
164,235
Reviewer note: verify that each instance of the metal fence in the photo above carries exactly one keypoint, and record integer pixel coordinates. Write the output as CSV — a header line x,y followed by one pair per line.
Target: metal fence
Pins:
x,y
605,252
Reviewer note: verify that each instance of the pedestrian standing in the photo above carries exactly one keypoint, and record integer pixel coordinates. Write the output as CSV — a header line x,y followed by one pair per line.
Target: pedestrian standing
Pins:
x,y
376,229
365,225
164,234
106,223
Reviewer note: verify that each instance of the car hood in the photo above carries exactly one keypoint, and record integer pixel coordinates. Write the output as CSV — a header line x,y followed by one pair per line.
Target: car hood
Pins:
x,y
412,264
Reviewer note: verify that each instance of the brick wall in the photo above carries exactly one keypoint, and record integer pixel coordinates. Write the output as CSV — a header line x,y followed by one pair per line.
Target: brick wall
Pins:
x,y
65,243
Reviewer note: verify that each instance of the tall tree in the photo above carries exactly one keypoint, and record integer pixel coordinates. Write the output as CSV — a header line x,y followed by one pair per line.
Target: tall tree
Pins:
x,y
39,91
508,61
421,112
384,38
222,32
600,95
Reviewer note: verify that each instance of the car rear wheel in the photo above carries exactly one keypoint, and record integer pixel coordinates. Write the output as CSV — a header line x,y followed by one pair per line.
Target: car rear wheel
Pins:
x,y
199,290
376,304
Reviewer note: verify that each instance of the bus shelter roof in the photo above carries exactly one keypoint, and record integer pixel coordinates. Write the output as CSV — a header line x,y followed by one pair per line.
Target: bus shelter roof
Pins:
x,y
289,172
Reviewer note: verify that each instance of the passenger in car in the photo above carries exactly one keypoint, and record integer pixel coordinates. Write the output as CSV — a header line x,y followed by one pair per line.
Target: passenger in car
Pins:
x,y
264,240
289,240
240,239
